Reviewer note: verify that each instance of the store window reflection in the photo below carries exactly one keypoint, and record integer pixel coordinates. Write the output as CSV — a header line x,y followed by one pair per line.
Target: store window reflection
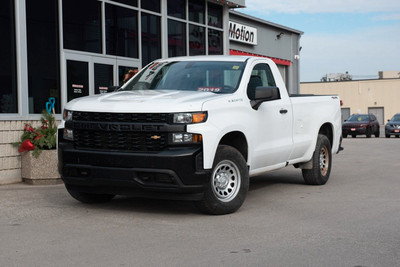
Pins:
x,y
8,81
151,38
43,54
81,25
215,42
121,31
196,40
176,38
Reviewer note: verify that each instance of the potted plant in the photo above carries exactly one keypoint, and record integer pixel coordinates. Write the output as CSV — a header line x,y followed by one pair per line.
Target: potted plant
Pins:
x,y
39,155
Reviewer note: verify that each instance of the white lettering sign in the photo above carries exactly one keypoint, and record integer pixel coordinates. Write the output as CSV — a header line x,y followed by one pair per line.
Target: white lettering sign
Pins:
x,y
242,33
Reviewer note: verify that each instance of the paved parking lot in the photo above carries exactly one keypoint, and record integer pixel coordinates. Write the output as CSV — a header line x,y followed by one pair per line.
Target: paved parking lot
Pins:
x,y
354,220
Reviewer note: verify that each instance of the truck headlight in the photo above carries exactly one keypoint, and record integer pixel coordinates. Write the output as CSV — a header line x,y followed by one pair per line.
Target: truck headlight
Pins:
x,y
190,117
68,134
67,115
184,138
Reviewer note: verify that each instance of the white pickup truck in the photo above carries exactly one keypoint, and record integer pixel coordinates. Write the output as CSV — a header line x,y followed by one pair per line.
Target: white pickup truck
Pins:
x,y
195,128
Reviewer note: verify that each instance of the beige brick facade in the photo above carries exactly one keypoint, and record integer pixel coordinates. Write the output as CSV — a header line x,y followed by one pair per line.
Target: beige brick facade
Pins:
x,y
10,159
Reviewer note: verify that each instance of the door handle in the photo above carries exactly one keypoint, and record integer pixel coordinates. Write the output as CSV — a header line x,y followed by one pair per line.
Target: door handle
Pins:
x,y
283,111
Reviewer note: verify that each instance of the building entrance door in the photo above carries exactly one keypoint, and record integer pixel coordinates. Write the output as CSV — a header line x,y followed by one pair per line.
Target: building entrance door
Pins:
x,y
88,75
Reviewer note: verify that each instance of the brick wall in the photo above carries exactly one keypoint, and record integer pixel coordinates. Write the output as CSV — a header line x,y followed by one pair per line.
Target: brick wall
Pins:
x,y
10,159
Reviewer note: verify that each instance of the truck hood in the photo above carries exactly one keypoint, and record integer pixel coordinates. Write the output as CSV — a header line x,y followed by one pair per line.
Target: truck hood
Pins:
x,y
143,101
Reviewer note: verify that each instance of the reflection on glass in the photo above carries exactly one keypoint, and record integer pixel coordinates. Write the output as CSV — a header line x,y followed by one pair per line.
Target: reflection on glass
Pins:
x,y
81,25
196,11
8,79
77,79
176,8
196,40
103,77
176,38
43,54
215,43
121,31
214,15
152,5
151,38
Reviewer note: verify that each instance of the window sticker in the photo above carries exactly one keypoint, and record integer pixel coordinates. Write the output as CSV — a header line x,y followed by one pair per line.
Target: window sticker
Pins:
x,y
209,89
235,67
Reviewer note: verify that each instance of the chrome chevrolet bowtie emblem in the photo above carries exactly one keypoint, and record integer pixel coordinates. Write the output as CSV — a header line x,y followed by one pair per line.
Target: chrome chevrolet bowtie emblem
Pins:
x,y
155,137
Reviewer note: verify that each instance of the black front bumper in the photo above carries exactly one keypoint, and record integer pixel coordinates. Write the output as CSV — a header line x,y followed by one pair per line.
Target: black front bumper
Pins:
x,y
174,173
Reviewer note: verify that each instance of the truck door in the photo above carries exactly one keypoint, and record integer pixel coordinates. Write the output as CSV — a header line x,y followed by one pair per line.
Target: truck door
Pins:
x,y
273,119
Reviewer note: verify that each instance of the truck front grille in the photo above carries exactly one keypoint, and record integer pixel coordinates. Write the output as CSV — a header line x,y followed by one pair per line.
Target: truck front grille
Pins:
x,y
120,141
121,117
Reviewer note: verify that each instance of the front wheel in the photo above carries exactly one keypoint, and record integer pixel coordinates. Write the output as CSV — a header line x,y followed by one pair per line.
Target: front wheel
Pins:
x,y
229,183
322,163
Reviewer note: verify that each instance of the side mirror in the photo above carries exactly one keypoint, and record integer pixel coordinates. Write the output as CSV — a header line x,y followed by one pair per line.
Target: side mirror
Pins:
x,y
113,88
263,94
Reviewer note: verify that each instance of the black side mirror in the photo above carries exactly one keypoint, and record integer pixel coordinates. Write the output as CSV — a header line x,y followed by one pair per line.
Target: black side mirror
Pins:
x,y
263,94
113,88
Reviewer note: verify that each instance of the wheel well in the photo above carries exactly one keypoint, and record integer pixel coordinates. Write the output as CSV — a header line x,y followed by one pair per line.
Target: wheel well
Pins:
x,y
236,140
326,130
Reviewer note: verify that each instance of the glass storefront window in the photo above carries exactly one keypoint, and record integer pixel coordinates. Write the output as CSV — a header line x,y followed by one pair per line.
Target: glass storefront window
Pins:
x,y
176,38
121,31
151,38
215,42
82,25
103,77
152,5
214,15
43,54
176,8
196,40
8,73
126,2
197,11
77,79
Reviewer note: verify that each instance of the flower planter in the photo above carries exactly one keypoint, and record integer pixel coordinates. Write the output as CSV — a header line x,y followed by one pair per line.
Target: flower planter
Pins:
x,y
41,170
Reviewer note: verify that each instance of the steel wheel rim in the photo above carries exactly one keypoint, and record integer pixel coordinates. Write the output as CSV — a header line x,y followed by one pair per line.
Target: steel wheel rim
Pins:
x,y
324,160
226,181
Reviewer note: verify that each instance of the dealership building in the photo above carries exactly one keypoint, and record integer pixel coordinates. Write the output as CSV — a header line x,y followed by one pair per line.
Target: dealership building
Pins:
x,y
64,49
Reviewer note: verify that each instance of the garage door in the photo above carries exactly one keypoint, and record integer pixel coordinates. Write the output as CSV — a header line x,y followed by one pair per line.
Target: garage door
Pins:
x,y
378,112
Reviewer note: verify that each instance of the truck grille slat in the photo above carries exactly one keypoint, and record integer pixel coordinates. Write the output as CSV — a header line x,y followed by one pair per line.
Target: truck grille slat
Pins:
x,y
120,141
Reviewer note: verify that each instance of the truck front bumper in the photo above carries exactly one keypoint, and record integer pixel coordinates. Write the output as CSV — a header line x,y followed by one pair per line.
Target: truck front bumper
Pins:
x,y
174,173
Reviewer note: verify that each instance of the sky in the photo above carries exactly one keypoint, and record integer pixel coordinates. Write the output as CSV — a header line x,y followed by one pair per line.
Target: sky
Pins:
x,y
358,36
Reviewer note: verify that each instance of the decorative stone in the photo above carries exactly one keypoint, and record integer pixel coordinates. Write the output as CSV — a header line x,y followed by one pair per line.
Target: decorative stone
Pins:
x,y
42,170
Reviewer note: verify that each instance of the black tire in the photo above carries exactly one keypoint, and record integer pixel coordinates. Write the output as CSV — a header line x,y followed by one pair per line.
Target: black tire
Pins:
x,y
397,136
322,163
89,198
228,185
344,135
354,136
377,133
387,135
368,134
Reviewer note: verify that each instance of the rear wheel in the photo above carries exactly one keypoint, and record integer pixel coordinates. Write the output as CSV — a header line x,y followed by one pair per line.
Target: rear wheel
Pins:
x,y
377,133
344,135
89,197
354,136
387,135
322,163
397,136
229,183
368,133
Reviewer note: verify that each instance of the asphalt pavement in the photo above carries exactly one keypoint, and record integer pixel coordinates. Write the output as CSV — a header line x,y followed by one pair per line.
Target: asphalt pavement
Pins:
x,y
353,220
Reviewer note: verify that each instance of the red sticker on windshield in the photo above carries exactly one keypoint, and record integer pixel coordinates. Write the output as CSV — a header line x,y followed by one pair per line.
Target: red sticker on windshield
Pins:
x,y
209,89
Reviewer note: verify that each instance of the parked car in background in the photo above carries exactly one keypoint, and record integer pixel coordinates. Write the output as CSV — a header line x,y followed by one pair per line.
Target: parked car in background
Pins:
x,y
360,124
393,126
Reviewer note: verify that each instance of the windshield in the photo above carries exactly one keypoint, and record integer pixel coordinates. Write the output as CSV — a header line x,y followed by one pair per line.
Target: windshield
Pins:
x,y
396,117
359,118
204,76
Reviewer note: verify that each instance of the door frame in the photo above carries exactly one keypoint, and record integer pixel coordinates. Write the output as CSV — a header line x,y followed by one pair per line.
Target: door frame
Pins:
x,y
91,59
